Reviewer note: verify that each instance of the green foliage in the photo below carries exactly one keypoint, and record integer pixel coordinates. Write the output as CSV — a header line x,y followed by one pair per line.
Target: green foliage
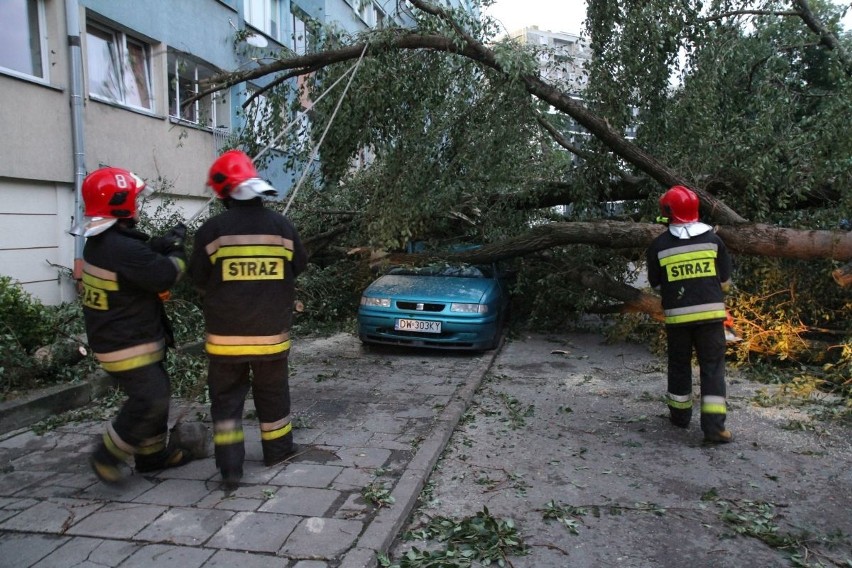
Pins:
x,y
24,319
481,540
27,325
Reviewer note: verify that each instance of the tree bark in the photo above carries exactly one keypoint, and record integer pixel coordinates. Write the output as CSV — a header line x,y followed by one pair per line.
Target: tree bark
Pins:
x,y
750,239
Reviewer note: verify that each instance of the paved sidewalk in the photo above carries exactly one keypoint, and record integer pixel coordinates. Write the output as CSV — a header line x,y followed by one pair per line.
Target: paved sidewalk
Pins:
x,y
366,418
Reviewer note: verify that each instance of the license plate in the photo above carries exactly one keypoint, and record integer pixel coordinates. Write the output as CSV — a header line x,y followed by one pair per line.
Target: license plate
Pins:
x,y
420,326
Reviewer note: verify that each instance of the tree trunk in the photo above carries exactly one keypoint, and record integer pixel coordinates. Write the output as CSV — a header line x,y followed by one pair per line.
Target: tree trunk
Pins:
x,y
750,239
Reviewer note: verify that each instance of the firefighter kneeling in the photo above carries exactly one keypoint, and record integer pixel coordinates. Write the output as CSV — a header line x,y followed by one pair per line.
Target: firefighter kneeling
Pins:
x,y
123,273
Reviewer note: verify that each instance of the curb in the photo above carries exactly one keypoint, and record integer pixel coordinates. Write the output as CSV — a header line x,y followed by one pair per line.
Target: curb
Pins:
x,y
385,526
36,406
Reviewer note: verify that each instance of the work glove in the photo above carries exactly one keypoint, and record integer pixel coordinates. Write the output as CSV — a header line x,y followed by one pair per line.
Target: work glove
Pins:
x,y
172,242
177,232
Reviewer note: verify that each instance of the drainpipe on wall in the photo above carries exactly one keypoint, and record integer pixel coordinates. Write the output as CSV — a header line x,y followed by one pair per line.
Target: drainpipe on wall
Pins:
x,y
75,50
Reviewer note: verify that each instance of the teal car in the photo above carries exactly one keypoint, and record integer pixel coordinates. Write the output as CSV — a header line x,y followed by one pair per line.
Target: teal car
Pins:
x,y
438,306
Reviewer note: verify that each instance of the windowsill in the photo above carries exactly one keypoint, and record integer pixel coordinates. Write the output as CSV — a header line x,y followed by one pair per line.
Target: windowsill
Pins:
x,y
115,104
188,123
29,79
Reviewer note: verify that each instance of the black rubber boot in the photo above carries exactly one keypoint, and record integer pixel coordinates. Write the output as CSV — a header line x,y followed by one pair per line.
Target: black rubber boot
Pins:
x,y
680,417
174,456
231,478
276,456
106,466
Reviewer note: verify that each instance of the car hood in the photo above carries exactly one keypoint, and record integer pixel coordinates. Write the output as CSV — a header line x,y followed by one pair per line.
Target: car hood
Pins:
x,y
433,288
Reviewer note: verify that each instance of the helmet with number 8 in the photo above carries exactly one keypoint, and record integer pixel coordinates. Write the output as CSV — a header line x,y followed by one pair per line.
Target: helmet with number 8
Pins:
x,y
109,194
680,205
233,175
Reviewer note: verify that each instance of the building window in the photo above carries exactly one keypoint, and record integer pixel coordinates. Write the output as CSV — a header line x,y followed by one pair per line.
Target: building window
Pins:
x,y
22,38
265,15
304,34
184,73
367,11
119,67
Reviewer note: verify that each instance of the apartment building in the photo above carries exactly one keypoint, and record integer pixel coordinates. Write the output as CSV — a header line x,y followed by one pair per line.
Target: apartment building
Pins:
x,y
89,83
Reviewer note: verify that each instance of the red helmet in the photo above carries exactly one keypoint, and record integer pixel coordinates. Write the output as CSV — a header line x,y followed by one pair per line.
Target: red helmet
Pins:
x,y
230,170
111,193
680,205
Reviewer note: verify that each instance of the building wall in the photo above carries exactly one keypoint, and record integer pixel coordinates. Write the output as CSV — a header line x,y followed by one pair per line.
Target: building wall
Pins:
x,y
37,172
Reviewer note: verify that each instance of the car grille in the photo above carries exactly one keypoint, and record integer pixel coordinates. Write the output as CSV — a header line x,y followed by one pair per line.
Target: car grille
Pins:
x,y
415,306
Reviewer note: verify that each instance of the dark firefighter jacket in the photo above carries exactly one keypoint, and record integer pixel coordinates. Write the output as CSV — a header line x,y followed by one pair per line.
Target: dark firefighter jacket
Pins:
x,y
245,262
125,320
690,274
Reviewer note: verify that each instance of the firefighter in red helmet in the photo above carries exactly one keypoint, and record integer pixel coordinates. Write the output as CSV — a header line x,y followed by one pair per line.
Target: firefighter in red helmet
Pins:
x,y
690,266
245,262
123,272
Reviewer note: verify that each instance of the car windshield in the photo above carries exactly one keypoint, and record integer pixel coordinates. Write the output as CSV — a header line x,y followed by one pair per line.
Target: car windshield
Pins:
x,y
457,270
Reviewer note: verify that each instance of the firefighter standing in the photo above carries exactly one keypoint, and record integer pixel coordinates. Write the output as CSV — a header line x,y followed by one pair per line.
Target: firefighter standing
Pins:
x,y
690,266
126,324
245,262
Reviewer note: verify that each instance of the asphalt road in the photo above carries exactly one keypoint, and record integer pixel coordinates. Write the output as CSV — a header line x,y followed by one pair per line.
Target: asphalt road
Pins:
x,y
571,428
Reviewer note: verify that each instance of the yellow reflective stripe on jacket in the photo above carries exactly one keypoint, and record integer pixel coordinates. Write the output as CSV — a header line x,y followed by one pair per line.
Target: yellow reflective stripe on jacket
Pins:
x,y
700,312
132,357
713,405
236,345
251,251
100,283
96,283
275,434
134,362
238,350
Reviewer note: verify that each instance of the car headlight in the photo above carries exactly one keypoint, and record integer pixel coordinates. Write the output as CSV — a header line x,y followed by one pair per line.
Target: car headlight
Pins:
x,y
375,302
469,308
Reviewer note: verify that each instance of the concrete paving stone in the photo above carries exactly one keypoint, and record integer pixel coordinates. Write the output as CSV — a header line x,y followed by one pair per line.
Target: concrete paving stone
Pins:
x,y
191,527
318,538
354,508
307,475
19,439
165,556
54,516
174,492
302,501
231,559
244,498
343,437
310,564
363,457
359,557
387,424
307,435
24,550
254,472
16,481
127,490
17,503
390,441
49,460
117,520
82,552
352,478
260,532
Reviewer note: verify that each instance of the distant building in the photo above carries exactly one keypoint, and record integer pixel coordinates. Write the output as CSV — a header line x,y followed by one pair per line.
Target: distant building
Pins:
x,y
562,57
88,83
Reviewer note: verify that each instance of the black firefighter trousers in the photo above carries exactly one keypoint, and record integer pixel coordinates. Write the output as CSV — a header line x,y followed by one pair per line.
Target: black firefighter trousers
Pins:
x,y
229,384
708,342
